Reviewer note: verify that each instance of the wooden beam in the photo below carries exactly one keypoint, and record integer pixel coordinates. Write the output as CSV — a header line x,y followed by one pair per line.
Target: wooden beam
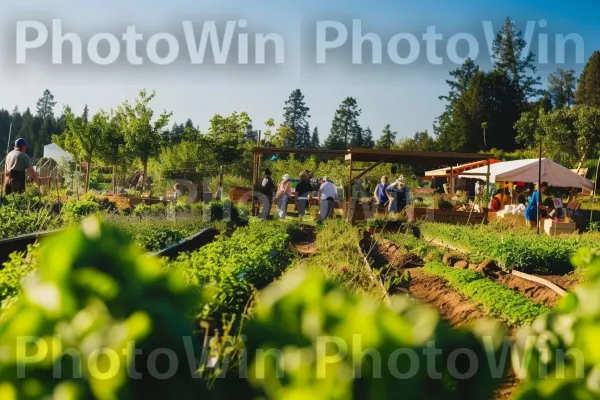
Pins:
x,y
367,170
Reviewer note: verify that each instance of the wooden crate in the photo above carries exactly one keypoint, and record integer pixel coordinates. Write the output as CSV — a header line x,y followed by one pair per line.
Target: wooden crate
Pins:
x,y
559,228
519,220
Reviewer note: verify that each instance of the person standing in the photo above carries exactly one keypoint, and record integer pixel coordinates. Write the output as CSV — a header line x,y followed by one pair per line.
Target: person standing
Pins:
x,y
328,195
283,196
17,164
303,190
136,180
531,213
266,188
380,194
398,194
178,192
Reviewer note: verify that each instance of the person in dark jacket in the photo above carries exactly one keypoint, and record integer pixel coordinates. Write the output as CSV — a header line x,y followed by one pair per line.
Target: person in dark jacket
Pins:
x,y
266,188
303,191
17,164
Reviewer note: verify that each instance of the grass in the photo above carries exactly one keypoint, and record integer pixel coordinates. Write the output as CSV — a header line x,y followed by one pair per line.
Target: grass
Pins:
x,y
496,299
338,258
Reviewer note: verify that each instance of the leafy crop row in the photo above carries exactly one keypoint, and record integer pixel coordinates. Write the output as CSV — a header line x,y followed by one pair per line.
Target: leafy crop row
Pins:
x,y
232,268
515,248
497,299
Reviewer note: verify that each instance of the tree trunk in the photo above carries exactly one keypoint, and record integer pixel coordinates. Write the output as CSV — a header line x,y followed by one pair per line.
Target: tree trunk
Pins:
x,y
145,163
87,175
114,180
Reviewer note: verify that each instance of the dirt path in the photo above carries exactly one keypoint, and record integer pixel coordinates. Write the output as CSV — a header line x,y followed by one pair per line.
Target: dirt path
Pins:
x,y
451,305
303,240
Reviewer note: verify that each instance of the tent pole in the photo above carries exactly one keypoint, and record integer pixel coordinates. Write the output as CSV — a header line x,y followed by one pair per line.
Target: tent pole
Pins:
x,y
595,190
487,181
539,187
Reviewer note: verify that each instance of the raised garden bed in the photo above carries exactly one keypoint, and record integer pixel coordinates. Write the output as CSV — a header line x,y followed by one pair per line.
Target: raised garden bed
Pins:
x,y
446,216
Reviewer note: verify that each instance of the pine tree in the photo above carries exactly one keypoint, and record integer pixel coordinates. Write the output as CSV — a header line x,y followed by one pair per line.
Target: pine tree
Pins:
x,y
27,127
86,114
461,78
356,139
368,142
345,128
295,117
588,89
387,139
45,105
508,56
315,142
561,88
251,134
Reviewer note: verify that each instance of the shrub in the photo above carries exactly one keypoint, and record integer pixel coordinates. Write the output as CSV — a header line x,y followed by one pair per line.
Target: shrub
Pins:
x,y
75,210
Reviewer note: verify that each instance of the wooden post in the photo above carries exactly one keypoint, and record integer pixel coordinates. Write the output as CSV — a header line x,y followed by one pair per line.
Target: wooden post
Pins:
x,y
451,181
349,194
539,187
487,182
595,190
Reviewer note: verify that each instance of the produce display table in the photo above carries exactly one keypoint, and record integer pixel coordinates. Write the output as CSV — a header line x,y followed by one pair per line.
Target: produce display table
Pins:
x,y
554,228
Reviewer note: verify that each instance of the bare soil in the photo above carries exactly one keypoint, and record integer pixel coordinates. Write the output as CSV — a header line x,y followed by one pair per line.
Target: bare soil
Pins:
x,y
452,306
533,290
303,240
566,282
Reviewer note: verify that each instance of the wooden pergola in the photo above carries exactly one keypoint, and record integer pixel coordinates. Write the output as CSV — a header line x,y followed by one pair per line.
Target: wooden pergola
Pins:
x,y
259,152
376,157
382,156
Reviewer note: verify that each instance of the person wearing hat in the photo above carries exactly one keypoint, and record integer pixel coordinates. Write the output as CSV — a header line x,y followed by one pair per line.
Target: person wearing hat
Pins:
x,y
136,179
266,189
398,194
283,196
327,194
17,163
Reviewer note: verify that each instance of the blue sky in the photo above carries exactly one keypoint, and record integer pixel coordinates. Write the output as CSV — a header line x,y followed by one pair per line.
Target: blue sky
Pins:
x,y
405,96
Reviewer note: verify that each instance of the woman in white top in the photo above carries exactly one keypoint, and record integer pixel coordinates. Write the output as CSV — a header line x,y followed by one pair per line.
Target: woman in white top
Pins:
x,y
283,196
328,194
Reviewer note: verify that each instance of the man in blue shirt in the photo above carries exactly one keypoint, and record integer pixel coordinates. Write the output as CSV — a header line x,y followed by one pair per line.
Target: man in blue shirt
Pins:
x,y
531,214
380,193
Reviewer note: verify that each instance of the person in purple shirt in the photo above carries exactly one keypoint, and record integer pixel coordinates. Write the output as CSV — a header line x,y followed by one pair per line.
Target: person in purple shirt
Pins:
x,y
380,193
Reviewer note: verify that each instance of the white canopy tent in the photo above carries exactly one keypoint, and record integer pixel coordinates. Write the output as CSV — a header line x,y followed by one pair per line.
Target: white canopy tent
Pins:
x,y
56,153
528,171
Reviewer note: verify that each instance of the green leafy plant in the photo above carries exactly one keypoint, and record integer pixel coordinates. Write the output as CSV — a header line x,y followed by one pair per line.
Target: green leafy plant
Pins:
x,y
99,292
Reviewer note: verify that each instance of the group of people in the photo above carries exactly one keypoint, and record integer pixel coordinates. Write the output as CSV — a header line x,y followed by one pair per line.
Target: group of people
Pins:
x,y
393,196
302,193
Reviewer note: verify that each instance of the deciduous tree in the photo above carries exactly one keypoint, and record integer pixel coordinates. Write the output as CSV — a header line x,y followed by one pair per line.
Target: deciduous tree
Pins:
x,y
142,131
